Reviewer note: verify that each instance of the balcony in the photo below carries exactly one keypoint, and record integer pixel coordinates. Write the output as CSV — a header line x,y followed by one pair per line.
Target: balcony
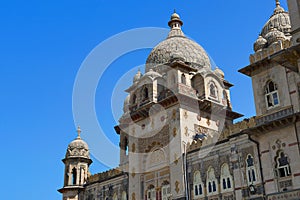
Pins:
x,y
274,116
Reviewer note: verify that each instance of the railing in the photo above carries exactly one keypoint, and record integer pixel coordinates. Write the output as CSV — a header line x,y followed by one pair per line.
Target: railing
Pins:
x,y
274,116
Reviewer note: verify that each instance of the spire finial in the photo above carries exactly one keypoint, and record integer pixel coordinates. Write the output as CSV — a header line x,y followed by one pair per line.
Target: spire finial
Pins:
x,y
78,132
174,10
277,3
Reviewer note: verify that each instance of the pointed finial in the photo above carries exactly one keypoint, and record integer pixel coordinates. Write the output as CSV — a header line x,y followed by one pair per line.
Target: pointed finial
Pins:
x,y
174,10
78,132
277,3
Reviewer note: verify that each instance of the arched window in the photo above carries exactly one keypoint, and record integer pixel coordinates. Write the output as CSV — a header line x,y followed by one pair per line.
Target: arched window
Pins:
x,y
197,83
250,170
74,176
282,165
211,182
271,95
134,98
151,193
183,79
115,197
226,178
145,93
165,190
173,79
126,145
124,195
212,90
198,185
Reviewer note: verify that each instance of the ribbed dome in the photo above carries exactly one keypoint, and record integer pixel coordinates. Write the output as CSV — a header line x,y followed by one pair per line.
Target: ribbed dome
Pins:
x,y
279,20
177,45
78,148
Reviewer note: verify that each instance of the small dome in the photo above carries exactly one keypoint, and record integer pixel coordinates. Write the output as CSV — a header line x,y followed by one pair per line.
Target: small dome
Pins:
x,y
219,73
274,36
177,45
175,16
78,147
152,74
137,76
260,43
279,20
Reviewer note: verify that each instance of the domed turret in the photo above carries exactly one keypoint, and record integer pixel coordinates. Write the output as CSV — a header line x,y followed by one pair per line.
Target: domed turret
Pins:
x,y
260,43
279,20
137,76
77,162
277,28
78,147
177,45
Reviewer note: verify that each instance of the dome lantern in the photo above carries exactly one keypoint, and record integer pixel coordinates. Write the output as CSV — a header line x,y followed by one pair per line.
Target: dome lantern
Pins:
x,y
179,46
175,21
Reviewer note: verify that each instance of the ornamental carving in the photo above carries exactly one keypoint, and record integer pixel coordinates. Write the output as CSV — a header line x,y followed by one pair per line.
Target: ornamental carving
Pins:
x,y
157,157
177,186
77,152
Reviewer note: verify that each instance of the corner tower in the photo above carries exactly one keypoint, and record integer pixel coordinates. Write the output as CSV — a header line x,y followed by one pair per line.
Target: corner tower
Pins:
x,y
273,68
77,162
179,98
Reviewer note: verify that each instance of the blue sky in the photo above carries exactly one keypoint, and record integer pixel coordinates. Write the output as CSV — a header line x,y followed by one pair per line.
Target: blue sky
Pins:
x,y
43,44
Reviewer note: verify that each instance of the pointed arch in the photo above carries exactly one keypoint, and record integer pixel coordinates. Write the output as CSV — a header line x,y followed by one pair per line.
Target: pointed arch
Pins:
x,y
198,184
211,182
74,176
124,195
226,178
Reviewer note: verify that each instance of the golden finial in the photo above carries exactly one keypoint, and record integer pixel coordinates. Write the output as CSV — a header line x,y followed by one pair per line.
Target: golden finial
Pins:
x,y
78,132
277,3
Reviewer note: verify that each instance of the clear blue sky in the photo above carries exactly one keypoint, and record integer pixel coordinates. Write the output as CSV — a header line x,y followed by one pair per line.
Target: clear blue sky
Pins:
x,y
43,44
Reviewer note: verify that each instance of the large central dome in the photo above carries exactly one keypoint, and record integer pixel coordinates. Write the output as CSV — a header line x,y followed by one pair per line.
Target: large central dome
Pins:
x,y
177,45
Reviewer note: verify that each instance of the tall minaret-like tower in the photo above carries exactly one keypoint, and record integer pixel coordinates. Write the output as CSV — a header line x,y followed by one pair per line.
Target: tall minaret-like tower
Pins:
x,y
179,98
77,162
294,10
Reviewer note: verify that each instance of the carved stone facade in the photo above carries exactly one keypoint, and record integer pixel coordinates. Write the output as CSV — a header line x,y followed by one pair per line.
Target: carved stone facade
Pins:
x,y
178,139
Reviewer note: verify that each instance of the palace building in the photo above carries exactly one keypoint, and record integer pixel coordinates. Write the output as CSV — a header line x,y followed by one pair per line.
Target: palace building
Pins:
x,y
177,136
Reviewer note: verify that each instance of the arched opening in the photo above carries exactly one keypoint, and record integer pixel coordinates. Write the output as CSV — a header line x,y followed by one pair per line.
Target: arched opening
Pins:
x,y
226,178
74,176
134,99
124,195
197,83
145,93
198,185
151,193
165,190
282,165
211,182
126,145
271,94
183,79
251,171
212,90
